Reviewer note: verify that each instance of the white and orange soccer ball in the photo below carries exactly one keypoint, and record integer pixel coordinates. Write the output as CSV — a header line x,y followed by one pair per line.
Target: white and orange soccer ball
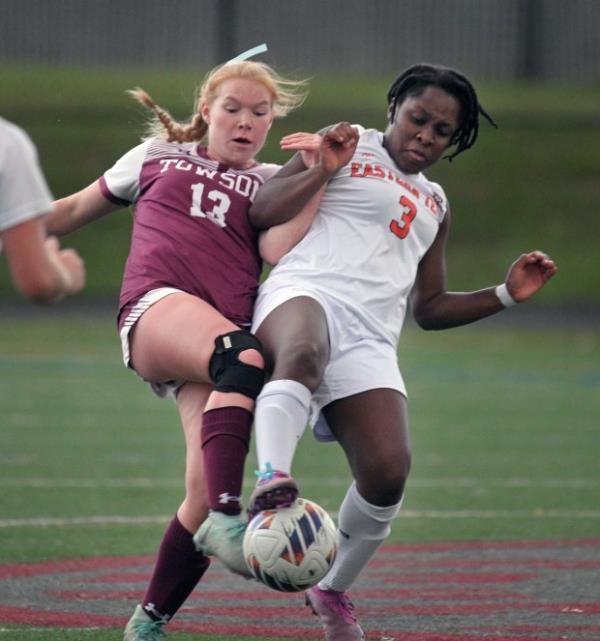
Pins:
x,y
291,549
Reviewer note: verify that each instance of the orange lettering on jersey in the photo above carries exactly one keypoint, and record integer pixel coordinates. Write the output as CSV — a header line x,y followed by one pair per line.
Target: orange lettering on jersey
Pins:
x,y
366,170
379,171
413,190
355,170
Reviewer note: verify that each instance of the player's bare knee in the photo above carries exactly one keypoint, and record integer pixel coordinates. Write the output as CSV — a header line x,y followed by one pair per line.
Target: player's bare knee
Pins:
x,y
385,483
237,364
304,361
252,357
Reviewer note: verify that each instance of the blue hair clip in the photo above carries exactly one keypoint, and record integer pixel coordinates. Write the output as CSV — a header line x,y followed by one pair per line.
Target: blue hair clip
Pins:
x,y
249,53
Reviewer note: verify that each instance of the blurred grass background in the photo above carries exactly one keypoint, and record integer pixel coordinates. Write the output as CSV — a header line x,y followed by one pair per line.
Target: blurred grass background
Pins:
x,y
531,183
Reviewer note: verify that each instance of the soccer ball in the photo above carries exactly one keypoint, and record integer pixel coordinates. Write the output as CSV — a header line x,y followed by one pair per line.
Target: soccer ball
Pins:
x,y
292,548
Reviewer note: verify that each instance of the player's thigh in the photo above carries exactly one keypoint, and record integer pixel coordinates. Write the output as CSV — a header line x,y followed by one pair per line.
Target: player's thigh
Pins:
x,y
174,339
295,336
372,428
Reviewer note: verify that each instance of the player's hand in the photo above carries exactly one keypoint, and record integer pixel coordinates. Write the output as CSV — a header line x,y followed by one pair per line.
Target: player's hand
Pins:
x,y
338,146
528,274
306,144
69,264
331,149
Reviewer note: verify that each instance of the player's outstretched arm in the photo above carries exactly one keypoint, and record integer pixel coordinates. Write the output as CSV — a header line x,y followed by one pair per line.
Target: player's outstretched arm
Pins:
x,y
278,240
284,195
275,242
78,209
436,308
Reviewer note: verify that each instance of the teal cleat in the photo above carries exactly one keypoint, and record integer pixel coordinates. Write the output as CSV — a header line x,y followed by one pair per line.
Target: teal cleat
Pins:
x,y
142,628
222,535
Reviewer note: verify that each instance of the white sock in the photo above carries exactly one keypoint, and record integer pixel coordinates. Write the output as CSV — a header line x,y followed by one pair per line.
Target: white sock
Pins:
x,y
279,421
362,528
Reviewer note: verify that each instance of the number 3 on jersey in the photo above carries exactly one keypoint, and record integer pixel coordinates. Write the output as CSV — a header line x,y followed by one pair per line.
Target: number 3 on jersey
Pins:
x,y
409,212
220,205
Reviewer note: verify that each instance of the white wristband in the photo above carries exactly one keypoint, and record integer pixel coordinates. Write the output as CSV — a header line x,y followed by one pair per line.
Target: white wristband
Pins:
x,y
504,296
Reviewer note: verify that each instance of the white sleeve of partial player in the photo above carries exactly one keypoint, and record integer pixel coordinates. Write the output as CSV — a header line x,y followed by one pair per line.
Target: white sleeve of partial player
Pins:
x,y
24,193
123,178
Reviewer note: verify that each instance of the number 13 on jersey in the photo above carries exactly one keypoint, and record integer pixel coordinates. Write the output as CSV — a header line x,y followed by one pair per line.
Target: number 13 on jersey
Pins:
x,y
218,203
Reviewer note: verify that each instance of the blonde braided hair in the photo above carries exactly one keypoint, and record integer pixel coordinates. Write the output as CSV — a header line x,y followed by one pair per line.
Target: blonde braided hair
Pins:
x,y
286,95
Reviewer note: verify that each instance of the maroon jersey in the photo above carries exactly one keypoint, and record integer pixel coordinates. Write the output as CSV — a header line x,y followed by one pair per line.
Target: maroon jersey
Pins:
x,y
190,226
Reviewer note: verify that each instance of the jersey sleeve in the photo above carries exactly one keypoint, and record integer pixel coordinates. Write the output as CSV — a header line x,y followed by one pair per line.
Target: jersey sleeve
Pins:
x,y
24,193
121,183
268,170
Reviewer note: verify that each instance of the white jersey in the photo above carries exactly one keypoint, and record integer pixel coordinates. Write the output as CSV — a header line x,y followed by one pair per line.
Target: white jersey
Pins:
x,y
373,226
24,193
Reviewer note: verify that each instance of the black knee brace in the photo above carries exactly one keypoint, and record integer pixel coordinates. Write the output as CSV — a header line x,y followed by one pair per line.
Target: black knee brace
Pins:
x,y
228,372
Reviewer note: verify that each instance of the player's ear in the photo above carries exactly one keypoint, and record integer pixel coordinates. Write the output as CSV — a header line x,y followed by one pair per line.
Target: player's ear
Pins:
x,y
205,113
391,112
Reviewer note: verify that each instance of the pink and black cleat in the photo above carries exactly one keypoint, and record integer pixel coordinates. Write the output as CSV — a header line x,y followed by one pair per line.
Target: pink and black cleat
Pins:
x,y
274,489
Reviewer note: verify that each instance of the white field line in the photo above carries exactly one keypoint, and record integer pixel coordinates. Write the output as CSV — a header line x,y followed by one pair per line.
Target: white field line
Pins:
x,y
538,513
83,520
38,631
433,483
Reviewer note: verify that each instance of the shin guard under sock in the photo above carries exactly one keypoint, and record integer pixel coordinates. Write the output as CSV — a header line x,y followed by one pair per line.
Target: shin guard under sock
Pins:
x,y
225,441
362,528
177,571
279,421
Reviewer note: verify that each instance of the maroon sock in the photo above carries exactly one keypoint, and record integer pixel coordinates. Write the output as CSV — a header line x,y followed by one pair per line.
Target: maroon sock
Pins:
x,y
177,571
225,441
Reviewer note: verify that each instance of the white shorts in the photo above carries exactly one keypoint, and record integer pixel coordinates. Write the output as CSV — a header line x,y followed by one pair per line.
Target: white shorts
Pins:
x,y
169,388
360,359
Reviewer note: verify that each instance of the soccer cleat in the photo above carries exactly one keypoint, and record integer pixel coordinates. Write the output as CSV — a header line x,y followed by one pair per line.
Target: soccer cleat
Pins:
x,y
143,628
222,535
274,489
336,612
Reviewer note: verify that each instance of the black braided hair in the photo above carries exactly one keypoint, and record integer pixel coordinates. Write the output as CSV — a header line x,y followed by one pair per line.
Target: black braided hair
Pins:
x,y
414,79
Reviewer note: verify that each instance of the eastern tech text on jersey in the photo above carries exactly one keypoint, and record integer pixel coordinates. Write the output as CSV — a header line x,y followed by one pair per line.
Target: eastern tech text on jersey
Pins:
x,y
374,170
